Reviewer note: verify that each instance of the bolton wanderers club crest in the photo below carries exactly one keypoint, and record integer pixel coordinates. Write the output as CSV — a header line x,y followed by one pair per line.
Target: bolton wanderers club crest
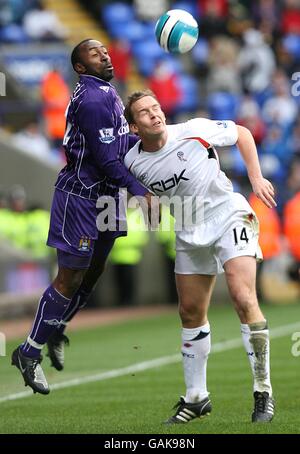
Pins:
x,y
180,155
144,176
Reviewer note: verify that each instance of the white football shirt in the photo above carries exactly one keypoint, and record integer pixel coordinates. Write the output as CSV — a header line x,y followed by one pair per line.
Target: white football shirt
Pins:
x,y
187,166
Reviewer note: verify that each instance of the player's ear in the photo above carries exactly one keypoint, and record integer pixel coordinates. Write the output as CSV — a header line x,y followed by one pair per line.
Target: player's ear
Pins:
x,y
80,68
133,128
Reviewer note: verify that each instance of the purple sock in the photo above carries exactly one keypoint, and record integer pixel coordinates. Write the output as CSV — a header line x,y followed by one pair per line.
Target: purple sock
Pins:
x,y
51,307
78,301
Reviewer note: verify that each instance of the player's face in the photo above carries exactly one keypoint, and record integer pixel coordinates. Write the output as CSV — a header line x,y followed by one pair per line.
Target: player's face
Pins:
x,y
149,119
95,61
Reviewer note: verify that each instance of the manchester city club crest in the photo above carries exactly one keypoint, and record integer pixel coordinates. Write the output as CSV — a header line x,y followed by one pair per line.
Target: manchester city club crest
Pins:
x,y
84,244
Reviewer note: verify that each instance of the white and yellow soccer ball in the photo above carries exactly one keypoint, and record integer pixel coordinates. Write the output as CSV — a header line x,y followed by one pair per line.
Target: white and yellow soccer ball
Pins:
x,y
176,31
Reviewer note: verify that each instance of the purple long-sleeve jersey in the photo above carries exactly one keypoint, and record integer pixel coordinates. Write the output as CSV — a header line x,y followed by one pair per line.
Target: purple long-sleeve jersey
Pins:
x,y
96,141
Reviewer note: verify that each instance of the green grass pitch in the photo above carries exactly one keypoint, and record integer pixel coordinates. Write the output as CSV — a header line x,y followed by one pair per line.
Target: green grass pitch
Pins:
x,y
137,402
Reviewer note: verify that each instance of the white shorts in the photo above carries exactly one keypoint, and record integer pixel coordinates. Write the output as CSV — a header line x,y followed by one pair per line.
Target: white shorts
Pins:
x,y
240,238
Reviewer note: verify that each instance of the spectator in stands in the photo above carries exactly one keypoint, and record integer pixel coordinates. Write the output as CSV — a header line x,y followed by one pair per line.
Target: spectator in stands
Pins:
x,y
18,209
17,198
256,62
269,237
292,233
276,143
41,24
3,198
26,229
294,141
293,182
167,239
219,7
213,15
119,51
125,257
239,18
249,116
37,226
266,14
164,83
55,96
290,20
281,108
6,16
291,219
32,141
5,217
223,72
149,11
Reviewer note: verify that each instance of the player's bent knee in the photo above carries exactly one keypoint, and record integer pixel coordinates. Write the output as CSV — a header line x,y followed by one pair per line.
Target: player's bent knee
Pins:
x,y
67,282
190,313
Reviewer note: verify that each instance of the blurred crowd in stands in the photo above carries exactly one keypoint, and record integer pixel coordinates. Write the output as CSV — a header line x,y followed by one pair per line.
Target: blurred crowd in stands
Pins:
x,y
245,67
24,21
43,138
23,226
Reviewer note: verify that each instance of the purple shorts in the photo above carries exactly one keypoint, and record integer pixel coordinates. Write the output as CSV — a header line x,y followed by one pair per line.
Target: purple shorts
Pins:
x,y
73,230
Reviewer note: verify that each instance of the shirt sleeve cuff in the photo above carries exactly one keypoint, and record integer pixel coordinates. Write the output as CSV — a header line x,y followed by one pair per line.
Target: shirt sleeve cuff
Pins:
x,y
137,189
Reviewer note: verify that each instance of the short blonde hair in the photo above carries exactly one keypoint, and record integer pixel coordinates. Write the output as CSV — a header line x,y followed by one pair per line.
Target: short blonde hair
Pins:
x,y
135,96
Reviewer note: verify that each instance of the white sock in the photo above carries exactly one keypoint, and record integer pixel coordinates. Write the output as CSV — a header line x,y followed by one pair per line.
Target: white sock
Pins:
x,y
256,341
195,353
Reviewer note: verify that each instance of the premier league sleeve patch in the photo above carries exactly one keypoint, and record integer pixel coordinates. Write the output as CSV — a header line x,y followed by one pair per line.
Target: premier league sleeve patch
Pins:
x,y
222,124
106,135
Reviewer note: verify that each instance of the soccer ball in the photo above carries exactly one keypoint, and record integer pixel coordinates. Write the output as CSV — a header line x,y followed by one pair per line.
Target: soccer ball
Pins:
x,y
176,31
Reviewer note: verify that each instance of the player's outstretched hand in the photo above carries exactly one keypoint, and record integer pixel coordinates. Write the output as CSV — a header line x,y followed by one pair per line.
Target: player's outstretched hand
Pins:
x,y
264,190
154,212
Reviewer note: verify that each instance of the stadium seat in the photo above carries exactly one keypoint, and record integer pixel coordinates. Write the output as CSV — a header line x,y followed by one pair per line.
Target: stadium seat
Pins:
x,y
189,6
13,33
238,164
200,52
117,13
223,105
147,53
190,96
175,65
132,31
292,44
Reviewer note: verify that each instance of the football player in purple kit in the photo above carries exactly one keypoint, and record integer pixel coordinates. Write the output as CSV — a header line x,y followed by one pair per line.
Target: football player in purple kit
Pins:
x,y
96,141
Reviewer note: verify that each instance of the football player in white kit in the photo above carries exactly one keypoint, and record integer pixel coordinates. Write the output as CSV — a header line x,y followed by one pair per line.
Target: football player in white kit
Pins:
x,y
181,160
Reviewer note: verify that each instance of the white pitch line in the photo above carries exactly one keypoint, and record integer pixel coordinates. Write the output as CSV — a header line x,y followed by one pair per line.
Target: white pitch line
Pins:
x,y
145,365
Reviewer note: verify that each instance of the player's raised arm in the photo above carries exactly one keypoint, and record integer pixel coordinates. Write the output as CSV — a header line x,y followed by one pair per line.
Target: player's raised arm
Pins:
x,y
262,187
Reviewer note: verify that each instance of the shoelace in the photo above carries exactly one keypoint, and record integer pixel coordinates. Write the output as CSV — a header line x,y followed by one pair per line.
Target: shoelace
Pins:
x,y
179,403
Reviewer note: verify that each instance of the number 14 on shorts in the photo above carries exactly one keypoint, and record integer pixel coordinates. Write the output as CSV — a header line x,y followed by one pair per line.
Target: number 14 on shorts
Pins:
x,y
240,236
